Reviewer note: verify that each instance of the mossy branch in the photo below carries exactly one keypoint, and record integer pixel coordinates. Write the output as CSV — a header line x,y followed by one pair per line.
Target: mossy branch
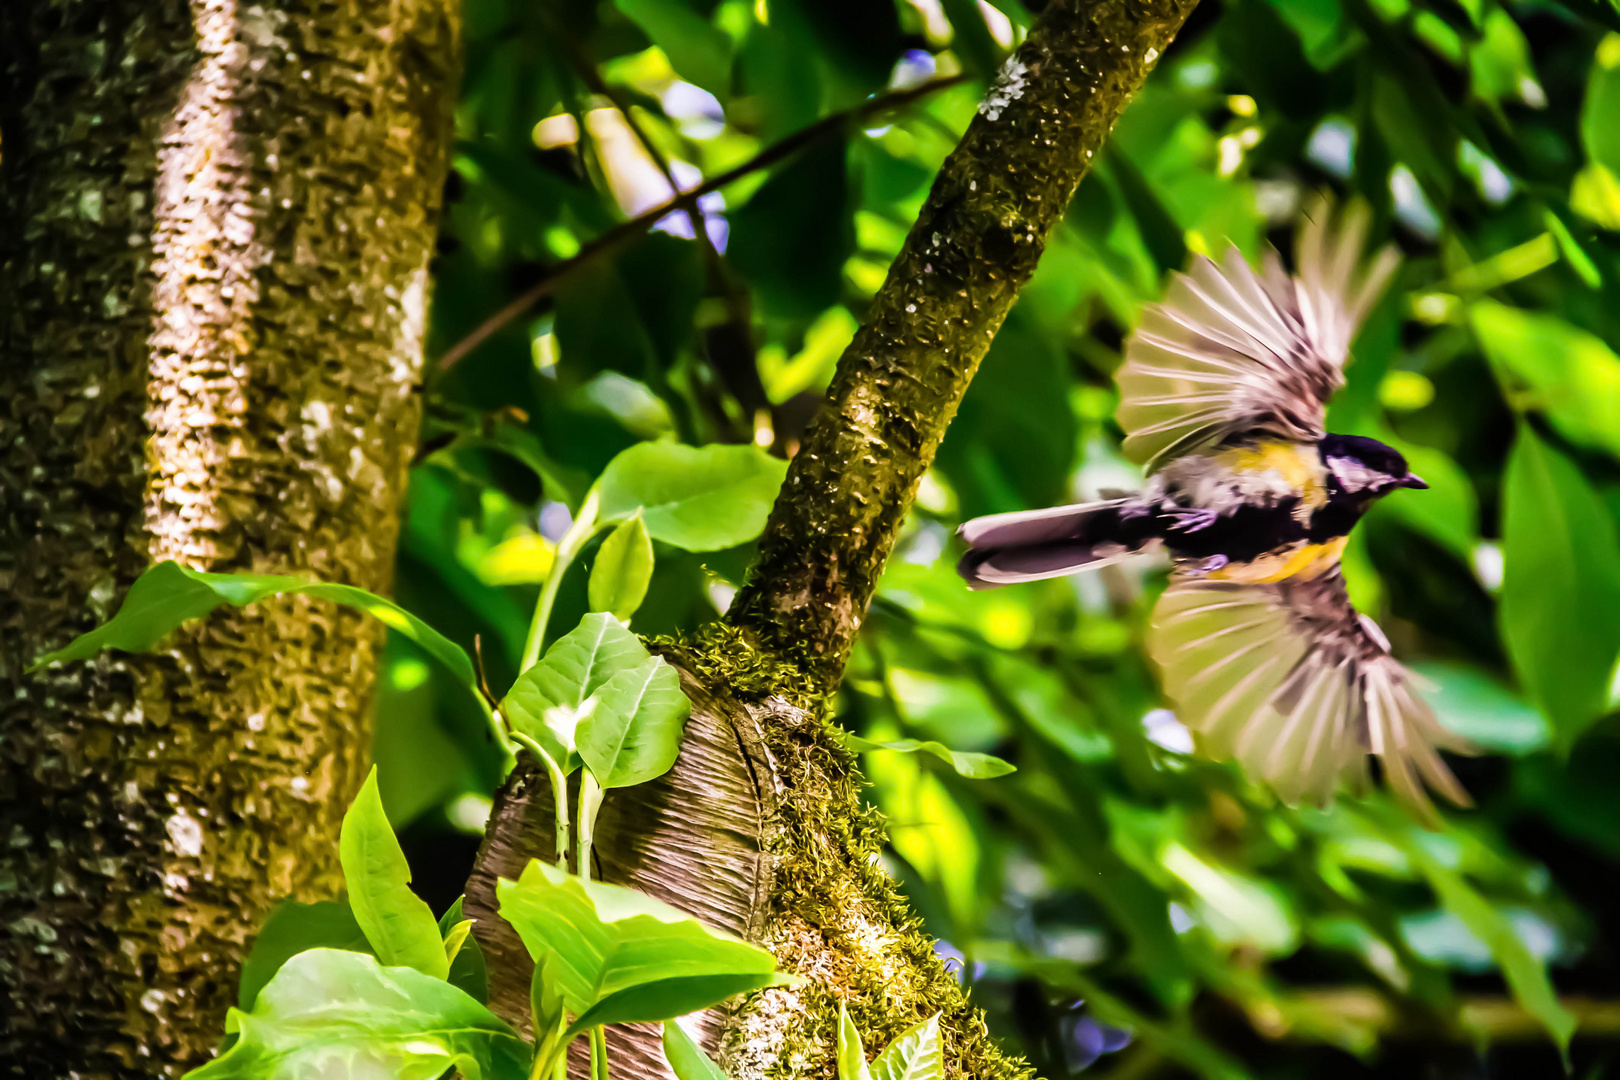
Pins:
x,y
899,383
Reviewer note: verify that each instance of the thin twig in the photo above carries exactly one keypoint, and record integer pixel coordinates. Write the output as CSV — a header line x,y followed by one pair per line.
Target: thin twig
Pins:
x,y
629,230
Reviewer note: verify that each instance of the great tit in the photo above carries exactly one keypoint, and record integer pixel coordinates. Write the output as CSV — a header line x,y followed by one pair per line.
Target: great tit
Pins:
x,y
1222,399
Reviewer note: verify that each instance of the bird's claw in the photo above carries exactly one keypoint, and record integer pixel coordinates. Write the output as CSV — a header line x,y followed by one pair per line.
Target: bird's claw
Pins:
x,y
1206,566
1191,520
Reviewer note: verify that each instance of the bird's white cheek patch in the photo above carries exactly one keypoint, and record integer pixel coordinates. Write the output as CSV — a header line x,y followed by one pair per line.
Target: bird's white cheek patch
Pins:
x,y
1353,475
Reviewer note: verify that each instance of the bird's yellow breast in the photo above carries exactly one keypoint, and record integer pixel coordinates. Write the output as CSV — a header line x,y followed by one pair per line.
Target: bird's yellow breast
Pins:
x,y
1302,560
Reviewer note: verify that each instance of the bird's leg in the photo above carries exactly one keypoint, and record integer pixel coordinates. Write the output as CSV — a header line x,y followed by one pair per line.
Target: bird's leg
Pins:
x,y
1200,567
1190,519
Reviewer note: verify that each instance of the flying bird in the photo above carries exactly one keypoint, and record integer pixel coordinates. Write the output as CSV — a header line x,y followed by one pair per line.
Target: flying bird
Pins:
x,y
1222,398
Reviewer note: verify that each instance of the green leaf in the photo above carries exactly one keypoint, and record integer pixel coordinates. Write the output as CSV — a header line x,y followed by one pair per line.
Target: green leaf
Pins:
x,y
696,498
1482,710
972,765
919,1054
548,701
1548,365
624,566
851,1052
603,940
665,999
1600,115
293,928
686,1058
169,594
397,922
1560,601
330,1013
634,732
698,51
792,238
468,972
1526,976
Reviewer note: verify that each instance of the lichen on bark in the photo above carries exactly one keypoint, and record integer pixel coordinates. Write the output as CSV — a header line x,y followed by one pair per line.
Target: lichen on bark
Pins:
x,y
215,224
818,897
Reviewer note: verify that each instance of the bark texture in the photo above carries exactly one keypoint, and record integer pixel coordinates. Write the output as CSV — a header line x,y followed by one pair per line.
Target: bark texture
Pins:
x,y
899,383
816,894
215,225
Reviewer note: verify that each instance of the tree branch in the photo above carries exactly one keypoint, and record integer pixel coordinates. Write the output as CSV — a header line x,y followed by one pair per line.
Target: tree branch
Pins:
x,y
626,231
898,385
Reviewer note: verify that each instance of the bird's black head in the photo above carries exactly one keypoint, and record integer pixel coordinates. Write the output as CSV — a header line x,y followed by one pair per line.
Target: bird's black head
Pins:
x,y
1366,468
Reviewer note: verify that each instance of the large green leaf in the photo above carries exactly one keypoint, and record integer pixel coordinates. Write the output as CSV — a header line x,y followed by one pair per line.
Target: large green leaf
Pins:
x,y
169,594
919,1054
330,1013
397,922
792,238
972,765
623,569
601,940
699,51
1560,602
686,1058
1600,114
293,928
1549,365
697,498
548,701
634,732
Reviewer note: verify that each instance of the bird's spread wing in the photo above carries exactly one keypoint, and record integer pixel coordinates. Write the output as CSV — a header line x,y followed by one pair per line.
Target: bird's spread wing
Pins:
x,y
1231,351
1288,679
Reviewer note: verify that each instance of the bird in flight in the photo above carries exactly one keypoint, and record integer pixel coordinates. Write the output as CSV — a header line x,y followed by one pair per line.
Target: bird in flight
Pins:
x,y
1222,399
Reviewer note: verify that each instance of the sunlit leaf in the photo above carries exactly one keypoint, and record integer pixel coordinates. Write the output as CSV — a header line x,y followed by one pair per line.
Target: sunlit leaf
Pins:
x,y
697,49
634,732
972,765
851,1051
293,928
331,1013
169,594
1560,602
607,941
398,923
697,498
623,569
548,700
1552,366
686,1058
919,1054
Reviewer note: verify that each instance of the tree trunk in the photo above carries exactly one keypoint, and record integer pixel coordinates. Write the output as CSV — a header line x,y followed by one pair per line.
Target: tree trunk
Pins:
x,y
215,225
761,827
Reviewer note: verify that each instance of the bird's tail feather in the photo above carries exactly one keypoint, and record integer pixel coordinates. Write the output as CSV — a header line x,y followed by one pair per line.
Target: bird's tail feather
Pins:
x,y
1005,549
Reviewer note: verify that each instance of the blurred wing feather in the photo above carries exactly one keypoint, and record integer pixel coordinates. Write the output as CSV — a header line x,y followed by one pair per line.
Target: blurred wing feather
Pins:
x,y
1232,350
1290,681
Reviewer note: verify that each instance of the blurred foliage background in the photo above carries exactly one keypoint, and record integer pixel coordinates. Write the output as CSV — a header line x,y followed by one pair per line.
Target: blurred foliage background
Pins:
x,y
1122,908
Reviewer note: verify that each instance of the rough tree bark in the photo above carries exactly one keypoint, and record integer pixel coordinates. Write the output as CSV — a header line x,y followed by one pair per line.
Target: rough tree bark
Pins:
x,y
760,828
215,224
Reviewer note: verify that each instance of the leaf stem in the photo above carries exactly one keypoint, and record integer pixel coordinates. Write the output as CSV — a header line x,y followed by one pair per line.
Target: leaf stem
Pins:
x,y
590,801
583,528
599,1059
559,792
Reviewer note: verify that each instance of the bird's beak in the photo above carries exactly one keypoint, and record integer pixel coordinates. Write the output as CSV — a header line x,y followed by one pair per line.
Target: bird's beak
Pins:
x,y
1411,480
